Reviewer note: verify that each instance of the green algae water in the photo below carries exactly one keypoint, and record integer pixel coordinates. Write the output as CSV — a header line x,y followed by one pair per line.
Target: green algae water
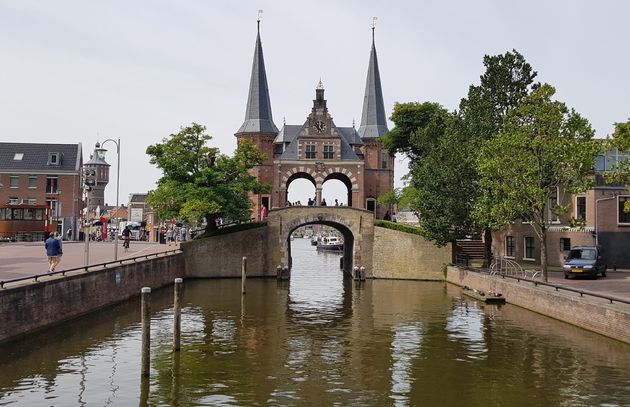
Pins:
x,y
318,340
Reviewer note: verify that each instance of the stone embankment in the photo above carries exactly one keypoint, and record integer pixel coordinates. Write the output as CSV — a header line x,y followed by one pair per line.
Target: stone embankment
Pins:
x,y
591,313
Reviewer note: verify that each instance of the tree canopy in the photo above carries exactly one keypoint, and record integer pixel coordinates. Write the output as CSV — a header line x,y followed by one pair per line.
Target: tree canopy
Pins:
x,y
543,146
199,183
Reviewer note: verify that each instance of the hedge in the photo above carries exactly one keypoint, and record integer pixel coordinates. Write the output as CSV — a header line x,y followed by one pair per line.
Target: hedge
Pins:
x,y
232,229
401,227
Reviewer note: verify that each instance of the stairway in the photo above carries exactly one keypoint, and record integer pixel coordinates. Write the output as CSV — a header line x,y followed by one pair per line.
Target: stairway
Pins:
x,y
470,252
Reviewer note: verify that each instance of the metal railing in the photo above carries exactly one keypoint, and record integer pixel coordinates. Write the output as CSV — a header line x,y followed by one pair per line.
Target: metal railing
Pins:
x,y
87,268
610,298
508,267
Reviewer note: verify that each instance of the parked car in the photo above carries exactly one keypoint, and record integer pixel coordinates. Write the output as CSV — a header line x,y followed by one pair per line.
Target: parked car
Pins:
x,y
585,261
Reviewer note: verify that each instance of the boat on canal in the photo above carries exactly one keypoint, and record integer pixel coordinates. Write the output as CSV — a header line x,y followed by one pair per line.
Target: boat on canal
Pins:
x,y
330,243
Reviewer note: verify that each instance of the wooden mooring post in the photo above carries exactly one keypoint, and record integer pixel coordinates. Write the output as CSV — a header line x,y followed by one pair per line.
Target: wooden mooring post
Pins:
x,y
243,275
177,313
146,331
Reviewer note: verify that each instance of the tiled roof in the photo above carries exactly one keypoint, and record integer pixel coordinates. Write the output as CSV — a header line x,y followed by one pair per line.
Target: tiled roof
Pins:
x,y
35,157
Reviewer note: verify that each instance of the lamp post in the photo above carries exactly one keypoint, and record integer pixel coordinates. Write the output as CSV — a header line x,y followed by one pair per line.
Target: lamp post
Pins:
x,y
117,193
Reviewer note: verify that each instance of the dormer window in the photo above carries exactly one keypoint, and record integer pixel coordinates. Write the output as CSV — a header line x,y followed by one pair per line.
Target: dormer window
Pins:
x,y
54,158
18,156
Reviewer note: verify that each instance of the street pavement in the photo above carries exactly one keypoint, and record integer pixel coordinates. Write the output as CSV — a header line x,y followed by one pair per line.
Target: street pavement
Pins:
x,y
28,258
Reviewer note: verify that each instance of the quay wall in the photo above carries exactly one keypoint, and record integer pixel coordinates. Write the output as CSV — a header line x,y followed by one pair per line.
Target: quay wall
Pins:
x,y
221,256
401,255
36,305
591,313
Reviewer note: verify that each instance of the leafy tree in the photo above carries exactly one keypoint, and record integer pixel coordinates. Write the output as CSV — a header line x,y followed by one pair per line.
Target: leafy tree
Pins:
x,y
543,146
621,141
418,127
200,184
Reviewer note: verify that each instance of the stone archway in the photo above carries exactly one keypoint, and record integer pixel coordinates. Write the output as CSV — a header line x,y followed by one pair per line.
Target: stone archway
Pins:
x,y
357,225
347,181
318,173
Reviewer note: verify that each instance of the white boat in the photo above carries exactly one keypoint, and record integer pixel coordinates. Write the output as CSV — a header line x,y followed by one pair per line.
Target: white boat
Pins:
x,y
330,243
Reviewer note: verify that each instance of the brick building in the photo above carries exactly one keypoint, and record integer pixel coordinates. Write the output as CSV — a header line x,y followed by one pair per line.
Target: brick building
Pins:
x,y
38,174
596,217
318,150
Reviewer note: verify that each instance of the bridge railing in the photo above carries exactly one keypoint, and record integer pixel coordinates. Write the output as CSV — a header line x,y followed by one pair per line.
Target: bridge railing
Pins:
x,y
89,267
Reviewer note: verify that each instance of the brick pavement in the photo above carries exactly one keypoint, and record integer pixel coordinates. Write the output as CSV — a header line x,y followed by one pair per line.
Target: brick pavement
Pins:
x,y
23,259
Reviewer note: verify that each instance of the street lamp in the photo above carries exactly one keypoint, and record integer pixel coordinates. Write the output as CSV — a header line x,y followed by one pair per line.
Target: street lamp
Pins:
x,y
117,193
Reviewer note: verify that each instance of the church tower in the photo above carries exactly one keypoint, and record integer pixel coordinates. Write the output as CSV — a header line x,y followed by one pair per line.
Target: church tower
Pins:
x,y
379,164
258,126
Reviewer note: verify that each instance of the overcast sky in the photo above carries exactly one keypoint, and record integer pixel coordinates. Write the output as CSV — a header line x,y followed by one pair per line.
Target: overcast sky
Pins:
x,y
138,70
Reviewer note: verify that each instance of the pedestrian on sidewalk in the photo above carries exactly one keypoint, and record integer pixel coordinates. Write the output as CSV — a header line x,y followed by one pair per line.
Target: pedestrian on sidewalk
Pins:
x,y
53,251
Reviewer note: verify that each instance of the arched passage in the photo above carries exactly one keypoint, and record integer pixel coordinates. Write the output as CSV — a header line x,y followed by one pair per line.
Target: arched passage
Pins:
x,y
348,243
355,225
345,180
300,187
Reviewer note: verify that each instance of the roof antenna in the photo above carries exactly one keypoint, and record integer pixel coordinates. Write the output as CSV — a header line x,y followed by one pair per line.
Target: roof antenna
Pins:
x,y
258,18
374,19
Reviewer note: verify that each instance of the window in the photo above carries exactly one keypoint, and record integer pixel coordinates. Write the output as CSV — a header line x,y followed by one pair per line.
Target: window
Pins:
x,y
529,248
53,208
18,156
310,151
32,182
51,184
53,159
565,244
384,160
580,207
14,182
14,201
509,246
31,201
329,152
554,200
370,204
608,160
29,213
624,217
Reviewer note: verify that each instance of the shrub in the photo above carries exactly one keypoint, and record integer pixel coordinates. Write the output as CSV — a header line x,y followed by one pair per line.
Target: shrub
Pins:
x,y
232,229
401,227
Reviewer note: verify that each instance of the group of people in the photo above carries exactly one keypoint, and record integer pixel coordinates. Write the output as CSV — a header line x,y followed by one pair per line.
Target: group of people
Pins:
x,y
177,234
313,202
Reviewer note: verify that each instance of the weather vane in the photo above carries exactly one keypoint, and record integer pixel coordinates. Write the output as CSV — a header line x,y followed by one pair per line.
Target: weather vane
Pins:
x,y
259,14
374,20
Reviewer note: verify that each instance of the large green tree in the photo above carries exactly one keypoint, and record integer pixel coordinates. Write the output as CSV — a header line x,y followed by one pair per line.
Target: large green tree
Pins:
x,y
542,146
442,147
200,184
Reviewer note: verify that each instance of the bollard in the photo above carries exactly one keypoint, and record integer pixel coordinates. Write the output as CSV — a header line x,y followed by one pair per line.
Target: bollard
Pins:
x,y
356,273
177,313
279,272
243,275
146,331
362,273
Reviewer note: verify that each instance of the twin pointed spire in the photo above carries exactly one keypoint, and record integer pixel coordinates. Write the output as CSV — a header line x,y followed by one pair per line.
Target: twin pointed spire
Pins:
x,y
373,119
258,117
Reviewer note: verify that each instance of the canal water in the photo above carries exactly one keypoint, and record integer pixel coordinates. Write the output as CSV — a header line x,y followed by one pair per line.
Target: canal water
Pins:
x,y
318,340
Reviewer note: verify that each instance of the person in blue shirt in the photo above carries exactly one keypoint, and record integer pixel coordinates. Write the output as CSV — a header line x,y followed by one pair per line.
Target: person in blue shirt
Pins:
x,y
53,251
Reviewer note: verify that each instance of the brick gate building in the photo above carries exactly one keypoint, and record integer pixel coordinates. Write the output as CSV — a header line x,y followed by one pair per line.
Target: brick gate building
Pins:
x,y
318,150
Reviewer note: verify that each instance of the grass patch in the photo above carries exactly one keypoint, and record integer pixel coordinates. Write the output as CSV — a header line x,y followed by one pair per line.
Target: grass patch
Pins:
x,y
398,226
232,229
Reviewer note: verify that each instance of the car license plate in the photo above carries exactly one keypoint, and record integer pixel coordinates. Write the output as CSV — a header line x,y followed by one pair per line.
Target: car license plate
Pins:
x,y
577,270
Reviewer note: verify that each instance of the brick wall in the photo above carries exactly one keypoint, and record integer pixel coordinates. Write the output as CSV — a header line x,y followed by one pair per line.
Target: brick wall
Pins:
x,y
403,255
589,313
38,305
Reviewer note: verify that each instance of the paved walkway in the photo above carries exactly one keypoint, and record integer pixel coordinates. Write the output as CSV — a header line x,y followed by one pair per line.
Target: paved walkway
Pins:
x,y
25,259
616,283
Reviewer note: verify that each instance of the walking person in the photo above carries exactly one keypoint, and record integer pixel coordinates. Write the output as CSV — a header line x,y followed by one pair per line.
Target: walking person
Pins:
x,y
69,234
53,251
169,235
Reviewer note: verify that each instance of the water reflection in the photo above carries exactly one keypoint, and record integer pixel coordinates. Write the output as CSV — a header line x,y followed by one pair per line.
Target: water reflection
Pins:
x,y
318,340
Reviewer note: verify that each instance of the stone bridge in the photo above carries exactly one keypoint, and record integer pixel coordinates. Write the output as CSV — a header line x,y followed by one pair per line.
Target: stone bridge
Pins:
x,y
355,225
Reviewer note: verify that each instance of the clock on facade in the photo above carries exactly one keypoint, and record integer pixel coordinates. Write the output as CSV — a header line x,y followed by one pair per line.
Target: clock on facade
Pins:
x,y
320,126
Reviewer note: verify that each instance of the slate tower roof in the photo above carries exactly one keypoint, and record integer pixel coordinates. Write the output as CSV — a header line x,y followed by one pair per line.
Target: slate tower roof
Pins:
x,y
373,119
258,117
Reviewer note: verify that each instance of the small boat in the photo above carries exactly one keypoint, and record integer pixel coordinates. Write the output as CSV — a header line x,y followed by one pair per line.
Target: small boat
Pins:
x,y
330,243
314,240
489,297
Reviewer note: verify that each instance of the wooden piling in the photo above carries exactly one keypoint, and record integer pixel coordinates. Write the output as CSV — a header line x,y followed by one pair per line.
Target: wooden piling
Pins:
x,y
362,269
146,331
243,274
356,275
177,313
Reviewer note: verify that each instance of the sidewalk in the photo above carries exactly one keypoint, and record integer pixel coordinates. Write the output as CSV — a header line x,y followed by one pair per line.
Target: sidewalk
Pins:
x,y
28,258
